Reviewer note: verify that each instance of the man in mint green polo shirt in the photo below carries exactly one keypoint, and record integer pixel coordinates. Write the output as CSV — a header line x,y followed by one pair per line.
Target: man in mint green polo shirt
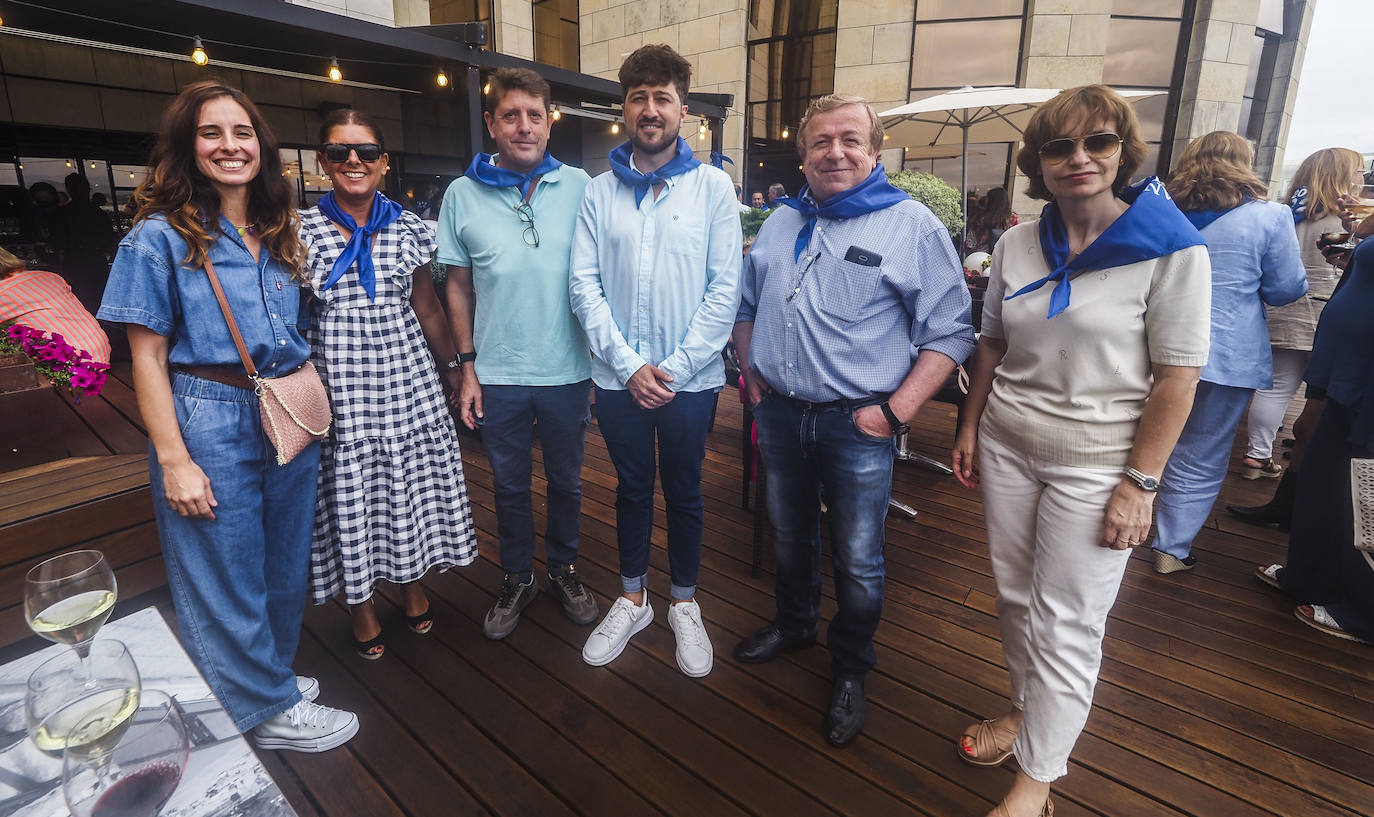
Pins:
x,y
505,230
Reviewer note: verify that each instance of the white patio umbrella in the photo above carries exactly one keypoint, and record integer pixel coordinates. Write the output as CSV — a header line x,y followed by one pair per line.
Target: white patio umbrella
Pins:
x,y
995,114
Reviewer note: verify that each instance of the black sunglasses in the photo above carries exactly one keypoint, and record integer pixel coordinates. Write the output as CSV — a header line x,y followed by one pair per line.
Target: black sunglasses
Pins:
x,y
338,151
1098,146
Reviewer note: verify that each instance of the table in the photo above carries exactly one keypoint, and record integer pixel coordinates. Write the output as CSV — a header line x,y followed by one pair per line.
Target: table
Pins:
x,y
223,777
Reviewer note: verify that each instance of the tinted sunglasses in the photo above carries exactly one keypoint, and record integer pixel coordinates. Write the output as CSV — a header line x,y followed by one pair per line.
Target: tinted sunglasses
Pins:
x,y
1097,146
338,151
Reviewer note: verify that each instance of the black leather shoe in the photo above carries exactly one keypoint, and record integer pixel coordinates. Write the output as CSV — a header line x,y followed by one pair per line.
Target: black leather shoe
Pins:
x,y
1259,515
769,643
848,711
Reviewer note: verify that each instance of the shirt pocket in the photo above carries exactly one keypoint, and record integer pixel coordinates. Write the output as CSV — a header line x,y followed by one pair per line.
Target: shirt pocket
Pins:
x,y
684,234
286,292
844,290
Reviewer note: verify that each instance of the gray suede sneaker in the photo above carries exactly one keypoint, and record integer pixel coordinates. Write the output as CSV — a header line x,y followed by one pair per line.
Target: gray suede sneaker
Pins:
x,y
578,604
510,602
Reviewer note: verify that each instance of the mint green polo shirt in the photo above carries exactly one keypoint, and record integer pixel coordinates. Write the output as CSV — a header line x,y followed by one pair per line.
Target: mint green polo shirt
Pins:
x,y
524,331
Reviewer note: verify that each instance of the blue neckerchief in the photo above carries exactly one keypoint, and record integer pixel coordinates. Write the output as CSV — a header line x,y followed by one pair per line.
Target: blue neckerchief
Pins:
x,y
1201,218
873,193
1298,203
719,160
1152,226
642,182
484,171
359,248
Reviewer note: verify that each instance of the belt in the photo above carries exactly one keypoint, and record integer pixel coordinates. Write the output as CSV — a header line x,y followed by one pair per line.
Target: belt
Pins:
x,y
844,403
228,375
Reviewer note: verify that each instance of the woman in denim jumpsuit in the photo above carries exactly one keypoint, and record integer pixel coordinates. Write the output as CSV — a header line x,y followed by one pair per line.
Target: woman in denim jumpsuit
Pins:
x,y
235,526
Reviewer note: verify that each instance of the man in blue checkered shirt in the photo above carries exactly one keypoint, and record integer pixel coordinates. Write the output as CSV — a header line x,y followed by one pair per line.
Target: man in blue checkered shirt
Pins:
x,y
853,313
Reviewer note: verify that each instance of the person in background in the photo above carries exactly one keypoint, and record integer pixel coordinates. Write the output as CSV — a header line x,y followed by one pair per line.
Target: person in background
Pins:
x,y
1255,262
758,202
42,300
1110,280
84,234
234,525
655,285
886,317
775,191
992,219
739,196
1320,190
392,501
505,231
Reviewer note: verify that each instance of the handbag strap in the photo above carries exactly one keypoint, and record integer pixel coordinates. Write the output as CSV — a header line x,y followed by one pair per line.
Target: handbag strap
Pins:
x,y
229,319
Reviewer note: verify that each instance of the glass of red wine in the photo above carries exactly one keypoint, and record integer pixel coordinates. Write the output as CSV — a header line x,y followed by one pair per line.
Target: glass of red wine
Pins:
x,y
137,776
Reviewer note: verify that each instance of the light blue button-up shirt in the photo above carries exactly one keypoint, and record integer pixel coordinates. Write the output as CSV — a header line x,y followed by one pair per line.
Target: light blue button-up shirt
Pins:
x,y
848,319
658,282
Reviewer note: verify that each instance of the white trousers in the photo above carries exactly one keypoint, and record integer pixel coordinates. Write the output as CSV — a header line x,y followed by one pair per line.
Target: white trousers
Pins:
x,y
1055,585
1269,405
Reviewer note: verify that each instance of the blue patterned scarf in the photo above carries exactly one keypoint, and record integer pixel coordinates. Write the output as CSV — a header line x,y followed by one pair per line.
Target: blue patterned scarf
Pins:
x,y
359,248
482,170
1298,204
1152,226
873,193
643,182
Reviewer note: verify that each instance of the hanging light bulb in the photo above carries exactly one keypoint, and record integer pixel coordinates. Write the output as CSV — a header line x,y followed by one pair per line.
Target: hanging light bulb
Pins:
x,y
198,55
92,165
701,128
486,89
69,163
556,114
441,79
615,127
760,164
786,133
335,73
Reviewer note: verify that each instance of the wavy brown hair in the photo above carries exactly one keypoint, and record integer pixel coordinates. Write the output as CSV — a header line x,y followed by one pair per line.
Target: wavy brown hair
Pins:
x,y
176,189
1327,175
1215,172
1082,105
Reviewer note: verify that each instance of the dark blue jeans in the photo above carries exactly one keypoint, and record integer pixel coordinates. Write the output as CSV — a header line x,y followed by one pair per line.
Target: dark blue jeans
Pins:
x,y
630,432
563,415
807,451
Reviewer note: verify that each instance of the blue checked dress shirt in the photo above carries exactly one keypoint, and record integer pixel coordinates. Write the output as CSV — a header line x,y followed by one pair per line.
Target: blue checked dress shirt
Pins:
x,y
827,328
658,282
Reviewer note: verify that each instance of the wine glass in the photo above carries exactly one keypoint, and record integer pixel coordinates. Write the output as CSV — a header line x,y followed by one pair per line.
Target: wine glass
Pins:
x,y
70,691
136,776
68,597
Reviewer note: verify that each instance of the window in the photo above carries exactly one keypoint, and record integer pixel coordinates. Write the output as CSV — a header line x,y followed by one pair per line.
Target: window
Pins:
x,y
556,33
1143,52
964,9
967,52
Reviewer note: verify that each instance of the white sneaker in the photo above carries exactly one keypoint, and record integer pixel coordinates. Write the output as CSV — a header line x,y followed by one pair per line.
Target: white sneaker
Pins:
x,y
694,654
608,640
309,687
306,727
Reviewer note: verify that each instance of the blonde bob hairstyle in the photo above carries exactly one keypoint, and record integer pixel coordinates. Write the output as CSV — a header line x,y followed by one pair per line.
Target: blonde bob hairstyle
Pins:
x,y
1327,175
1215,173
9,263
831,102
1074,108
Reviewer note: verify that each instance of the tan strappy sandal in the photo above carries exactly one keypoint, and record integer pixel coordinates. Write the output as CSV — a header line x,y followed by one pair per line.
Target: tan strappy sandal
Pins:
x,y
985,744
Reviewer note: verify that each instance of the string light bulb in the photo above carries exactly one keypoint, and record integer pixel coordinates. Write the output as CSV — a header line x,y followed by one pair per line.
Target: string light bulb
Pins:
x,y
441,79
69,163
486,89
786,133
335,73
92,165
556,114
198,55
615,127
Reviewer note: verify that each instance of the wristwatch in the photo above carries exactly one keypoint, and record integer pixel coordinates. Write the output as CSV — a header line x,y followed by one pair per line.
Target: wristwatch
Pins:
x,y
897,426
463,357
1144,480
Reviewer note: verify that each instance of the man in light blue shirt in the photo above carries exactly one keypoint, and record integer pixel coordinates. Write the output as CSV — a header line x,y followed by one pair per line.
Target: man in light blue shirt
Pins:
x,y
505,230
655,284
854,311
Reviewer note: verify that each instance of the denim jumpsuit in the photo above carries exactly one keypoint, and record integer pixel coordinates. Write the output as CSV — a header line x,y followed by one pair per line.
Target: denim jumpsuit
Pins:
x,y
238,581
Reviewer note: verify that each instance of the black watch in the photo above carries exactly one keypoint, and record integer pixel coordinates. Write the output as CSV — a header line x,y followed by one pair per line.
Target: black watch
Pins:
x,y
463,357
897,426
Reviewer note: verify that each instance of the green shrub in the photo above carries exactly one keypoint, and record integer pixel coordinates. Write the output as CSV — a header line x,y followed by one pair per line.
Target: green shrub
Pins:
x,y
752,219
933,192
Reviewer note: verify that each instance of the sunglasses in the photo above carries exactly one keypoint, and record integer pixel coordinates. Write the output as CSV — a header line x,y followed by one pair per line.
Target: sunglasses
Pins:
x,y
1097,146
338,152
526,214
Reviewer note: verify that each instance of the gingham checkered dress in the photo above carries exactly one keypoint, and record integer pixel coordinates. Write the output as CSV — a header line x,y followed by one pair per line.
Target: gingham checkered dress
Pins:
x,y
392,502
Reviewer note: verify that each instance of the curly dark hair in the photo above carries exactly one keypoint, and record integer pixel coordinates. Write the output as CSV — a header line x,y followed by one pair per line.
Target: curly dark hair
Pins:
x,y
656,65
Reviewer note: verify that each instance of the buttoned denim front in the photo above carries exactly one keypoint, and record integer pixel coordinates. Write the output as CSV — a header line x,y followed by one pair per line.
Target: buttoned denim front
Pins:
x,y
815,452
238,580
150,285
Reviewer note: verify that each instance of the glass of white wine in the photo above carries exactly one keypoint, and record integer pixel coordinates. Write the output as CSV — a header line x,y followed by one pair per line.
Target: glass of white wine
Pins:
x,y
137,775
68,598
69,691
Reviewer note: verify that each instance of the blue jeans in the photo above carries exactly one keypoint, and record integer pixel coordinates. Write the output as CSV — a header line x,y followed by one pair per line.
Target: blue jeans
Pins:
x,y
1197,466
630,432
238,581
563,415
807,451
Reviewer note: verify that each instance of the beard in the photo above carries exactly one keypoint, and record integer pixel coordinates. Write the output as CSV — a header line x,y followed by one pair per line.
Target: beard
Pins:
x,y
666,140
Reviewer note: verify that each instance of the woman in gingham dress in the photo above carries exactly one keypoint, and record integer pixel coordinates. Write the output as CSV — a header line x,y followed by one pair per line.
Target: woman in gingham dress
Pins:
x,y
392,501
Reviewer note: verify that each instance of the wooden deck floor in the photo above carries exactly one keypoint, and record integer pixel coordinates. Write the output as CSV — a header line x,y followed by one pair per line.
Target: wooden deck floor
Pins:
x,y
1213,701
